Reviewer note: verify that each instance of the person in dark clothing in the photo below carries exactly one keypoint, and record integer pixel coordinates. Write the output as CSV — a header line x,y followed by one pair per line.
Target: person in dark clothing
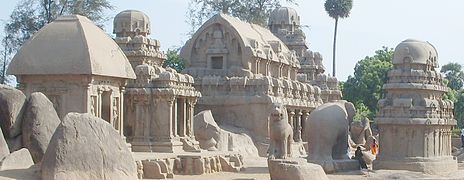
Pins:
x,y
359,156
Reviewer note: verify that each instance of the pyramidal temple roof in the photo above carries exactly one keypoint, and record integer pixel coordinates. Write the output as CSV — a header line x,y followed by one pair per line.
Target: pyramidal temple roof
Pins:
x,y
71,45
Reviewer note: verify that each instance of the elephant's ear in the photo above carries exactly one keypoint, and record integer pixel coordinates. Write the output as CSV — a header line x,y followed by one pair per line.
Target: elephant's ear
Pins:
x,y
350,110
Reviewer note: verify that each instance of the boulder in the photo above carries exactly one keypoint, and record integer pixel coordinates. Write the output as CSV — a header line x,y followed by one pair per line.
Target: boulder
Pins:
x,y
15,143
206,130
86,147
20,159
4,150
295,169
11,107
213,137
39,123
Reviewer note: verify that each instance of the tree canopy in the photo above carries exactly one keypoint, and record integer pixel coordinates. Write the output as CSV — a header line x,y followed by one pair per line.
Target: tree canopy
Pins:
x,y
454,74
31,15
364,89
337,9
173,60
253,11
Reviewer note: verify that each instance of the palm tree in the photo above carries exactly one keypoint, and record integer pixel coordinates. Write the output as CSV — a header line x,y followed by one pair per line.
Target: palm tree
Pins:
x,y
337,9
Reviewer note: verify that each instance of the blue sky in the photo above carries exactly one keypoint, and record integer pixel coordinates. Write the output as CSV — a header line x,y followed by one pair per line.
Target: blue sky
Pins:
x,y
372,24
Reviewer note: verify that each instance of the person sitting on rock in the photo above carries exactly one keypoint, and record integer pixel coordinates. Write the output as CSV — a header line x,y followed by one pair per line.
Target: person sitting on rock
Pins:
x,y
374,147
359,156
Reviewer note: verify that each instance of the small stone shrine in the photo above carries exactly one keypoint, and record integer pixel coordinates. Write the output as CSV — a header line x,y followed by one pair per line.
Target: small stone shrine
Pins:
x,y
414,120
160,102
77,66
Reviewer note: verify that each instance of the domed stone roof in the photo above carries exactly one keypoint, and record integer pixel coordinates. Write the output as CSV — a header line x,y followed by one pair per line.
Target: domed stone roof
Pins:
x,y
130,23
415,51
71,45
284,15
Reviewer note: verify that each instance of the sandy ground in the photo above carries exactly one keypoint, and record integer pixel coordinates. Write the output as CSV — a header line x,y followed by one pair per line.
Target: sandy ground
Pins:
x,y
256,168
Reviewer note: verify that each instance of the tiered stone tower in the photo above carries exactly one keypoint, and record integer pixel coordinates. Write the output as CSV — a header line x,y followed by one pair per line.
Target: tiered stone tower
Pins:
x,y
414,121
284,23
160,102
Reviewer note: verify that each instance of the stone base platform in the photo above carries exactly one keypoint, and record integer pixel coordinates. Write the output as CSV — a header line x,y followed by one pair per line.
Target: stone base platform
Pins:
x,y
339,165
295,169
166,165
441,165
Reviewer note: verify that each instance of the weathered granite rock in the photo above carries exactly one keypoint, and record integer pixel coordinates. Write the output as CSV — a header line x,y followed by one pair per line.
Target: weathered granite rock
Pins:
x,y
213,137
87,147
207,132
15,143
237,140
11,108
20,159
39,123
4,150
295,169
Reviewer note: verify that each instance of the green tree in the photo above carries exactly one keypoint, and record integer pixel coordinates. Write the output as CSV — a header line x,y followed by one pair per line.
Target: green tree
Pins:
x,y
459,108
365,87
454,74
31,15
173,60
337,9
5,53
253,11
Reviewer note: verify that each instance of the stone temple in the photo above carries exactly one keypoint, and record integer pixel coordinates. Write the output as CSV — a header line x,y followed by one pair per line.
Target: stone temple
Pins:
x,y
160,102
241,69
86,72
414,121
284,23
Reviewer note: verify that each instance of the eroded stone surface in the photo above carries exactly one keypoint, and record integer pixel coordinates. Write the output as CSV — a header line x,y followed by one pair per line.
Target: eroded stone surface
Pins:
x,y
295,169
87,147
39,124
11,110
327,134
4,150
20,159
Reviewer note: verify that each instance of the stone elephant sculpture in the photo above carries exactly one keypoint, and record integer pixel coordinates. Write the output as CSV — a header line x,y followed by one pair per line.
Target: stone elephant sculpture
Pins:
x,y
281,133
326,131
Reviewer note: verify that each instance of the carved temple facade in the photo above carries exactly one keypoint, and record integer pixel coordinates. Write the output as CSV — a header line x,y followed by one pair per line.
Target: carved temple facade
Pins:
x,y
159,102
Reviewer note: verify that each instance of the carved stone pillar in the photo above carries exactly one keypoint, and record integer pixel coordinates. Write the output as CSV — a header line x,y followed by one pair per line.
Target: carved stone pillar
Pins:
x,y
170,102
297,129
99,103
174,117
121,111
291,116
304,118
190,113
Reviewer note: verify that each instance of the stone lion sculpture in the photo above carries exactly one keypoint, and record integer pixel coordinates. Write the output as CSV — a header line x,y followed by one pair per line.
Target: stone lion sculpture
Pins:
x,y
281,133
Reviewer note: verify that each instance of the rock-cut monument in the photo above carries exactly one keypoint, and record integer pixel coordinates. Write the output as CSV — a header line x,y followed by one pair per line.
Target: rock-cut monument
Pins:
x,y
77,66
160,102
241,70
414,120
